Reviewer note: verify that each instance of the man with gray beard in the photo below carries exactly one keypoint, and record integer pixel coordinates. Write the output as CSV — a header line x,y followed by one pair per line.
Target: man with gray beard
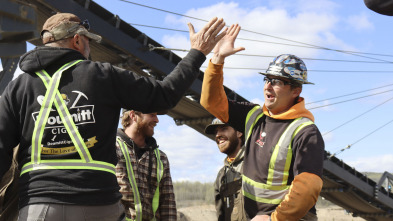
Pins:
x,y
68,166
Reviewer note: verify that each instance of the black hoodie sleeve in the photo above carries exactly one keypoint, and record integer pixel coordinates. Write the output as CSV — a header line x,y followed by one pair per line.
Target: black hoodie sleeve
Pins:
x,y
150,95
8,131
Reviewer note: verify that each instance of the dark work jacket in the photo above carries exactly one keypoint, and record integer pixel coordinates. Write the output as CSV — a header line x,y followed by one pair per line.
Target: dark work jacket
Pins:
x,y
94,92
229,200
307,149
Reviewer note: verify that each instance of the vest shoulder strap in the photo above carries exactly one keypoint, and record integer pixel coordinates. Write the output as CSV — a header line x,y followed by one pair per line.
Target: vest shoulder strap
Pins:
x,y
252,117
53,96
134,186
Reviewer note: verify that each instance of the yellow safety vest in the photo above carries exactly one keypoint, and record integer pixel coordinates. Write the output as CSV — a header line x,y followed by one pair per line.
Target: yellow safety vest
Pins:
x,y
275,188
52,95
134,186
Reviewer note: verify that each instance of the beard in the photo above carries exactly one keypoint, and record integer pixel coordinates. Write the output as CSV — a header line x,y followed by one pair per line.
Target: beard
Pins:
x,y
144,129
233,143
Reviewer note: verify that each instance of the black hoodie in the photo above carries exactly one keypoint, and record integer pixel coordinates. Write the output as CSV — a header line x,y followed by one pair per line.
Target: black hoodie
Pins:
x,y
94,93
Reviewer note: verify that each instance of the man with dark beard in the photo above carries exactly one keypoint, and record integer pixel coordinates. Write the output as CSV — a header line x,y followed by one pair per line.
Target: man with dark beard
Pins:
x,y
143,171
227,188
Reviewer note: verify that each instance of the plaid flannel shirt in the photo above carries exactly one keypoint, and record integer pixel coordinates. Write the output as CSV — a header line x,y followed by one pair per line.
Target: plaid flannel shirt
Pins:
x,y
167,204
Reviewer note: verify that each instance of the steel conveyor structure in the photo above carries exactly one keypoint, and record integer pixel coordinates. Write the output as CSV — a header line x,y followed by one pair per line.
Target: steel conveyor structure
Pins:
x,y
126,47
355,192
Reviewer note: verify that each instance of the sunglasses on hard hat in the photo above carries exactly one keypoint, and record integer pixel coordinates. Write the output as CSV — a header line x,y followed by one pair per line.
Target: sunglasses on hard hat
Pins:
x,y
75,27
276,81
85,24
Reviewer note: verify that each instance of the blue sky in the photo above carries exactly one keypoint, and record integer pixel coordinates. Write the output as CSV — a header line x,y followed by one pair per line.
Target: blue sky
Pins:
x,y
342,25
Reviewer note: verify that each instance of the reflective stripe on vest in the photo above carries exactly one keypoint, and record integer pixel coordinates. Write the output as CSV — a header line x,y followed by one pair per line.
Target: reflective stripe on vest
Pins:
x,y
275,188
160,173
53,95
134,186
252,118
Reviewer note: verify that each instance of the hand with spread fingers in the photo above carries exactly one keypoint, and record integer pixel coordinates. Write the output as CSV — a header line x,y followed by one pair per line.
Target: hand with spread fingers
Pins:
x,y
208,36
225,47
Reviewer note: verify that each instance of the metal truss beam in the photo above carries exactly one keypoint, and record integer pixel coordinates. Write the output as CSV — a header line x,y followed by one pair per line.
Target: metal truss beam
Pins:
x,y
17,22
17,25
6,75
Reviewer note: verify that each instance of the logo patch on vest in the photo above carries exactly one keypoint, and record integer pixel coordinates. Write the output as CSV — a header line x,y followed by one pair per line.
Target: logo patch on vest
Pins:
x,y
261,140
56,139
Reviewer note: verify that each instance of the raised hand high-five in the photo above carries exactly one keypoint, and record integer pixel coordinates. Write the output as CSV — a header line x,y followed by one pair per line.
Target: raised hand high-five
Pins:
x,y
208,36
226,46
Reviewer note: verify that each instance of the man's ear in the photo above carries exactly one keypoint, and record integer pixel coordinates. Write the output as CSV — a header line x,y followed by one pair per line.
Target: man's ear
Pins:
x,y
239,134
77,41
296,91
133,115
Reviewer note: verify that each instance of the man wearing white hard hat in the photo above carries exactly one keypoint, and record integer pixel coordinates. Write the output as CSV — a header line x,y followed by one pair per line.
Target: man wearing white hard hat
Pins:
x,y
284,149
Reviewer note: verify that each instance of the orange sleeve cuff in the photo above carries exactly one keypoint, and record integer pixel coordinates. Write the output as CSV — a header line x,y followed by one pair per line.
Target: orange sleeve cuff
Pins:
x,y
302,196
213,97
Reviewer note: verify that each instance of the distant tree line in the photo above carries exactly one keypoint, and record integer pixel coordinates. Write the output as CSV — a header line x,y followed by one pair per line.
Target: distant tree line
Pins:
x,y
194,191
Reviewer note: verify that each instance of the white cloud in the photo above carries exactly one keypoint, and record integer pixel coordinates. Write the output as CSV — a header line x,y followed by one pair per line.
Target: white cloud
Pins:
x,y
309,26
360,22
192,156
378,96
321,6
185,144
368,164
320,106
257,101
177,40
330,38
327,137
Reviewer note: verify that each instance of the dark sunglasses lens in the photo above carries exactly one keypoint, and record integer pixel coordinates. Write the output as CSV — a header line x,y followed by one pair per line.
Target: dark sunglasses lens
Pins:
x,y
274,81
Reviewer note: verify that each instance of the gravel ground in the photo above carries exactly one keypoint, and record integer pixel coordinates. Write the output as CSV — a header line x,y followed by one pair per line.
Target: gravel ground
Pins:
x,y
208,213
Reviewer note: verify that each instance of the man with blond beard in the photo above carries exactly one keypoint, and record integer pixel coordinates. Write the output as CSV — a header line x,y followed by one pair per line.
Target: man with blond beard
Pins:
x,y
143,171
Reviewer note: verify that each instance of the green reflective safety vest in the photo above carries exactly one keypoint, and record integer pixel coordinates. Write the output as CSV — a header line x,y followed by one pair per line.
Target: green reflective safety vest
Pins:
x,y
275,188
53,95
134,186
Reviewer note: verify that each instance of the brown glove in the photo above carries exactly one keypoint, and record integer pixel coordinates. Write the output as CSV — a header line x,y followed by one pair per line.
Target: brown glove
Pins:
x,y
302,196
